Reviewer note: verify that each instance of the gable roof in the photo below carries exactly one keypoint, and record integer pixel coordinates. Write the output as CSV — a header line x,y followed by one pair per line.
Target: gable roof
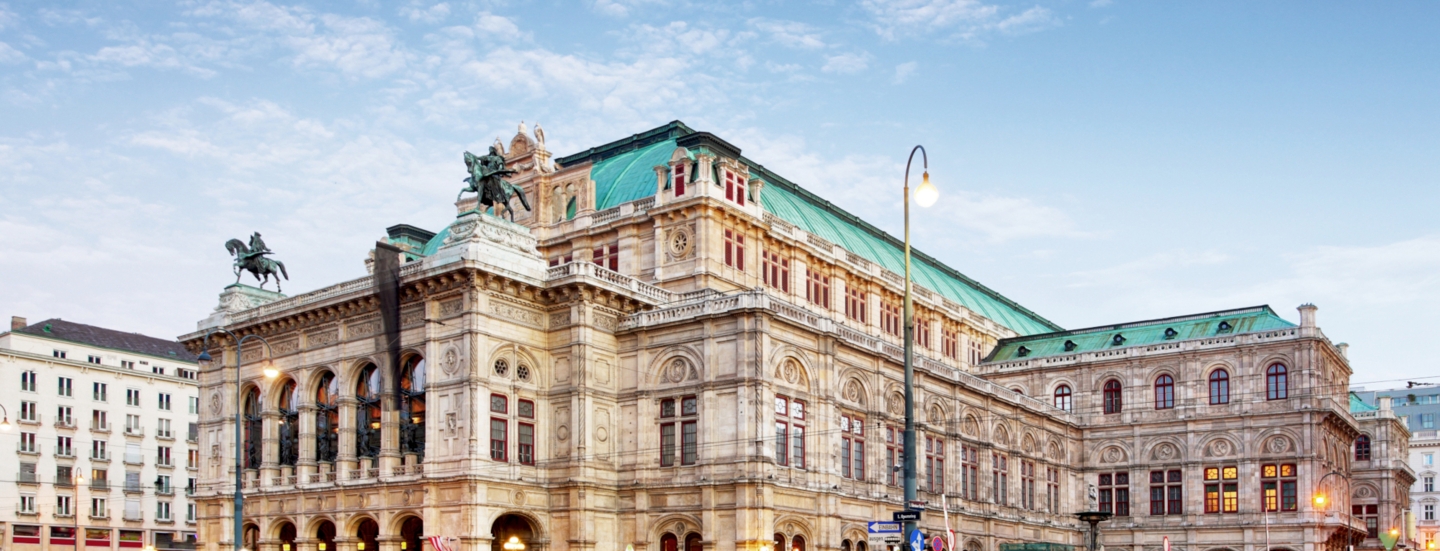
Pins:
x,y
624,171
1140,333
80,333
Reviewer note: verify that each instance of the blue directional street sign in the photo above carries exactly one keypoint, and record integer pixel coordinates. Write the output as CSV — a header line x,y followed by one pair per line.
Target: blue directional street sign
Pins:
x,y
917,540
883,527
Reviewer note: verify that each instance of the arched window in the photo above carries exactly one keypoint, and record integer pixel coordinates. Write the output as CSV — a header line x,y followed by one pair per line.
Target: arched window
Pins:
x,y
779,542
1112,396
412,406
861,546
1062,397
1277,383
669,542
1164,392
1219,387
289,424
1362,448
327,418
692,543
253,445
367,413
845,545
797,543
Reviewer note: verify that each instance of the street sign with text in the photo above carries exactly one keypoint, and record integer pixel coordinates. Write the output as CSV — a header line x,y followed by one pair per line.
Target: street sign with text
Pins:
x,y
902,516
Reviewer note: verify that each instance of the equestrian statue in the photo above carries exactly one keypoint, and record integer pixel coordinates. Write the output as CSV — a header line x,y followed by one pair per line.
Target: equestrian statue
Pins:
x,y
252,259
487,181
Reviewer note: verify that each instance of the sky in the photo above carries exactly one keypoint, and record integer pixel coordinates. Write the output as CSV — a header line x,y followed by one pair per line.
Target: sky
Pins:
x,y
1098,161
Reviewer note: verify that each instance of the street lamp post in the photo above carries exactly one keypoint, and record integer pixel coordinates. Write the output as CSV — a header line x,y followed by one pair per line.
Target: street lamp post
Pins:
x,y
925,196
270,372
5,425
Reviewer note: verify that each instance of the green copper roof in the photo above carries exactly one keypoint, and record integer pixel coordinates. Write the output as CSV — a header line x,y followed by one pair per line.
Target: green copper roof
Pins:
x,y
819,217
1141,333
630,175
1358,405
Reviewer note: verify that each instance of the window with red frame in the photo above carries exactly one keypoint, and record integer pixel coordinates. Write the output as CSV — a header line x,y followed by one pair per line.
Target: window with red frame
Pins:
x,y
499,428
1052,489
566,259
734,249
607,256
1112,396
1164,392
681,421
892,456
1115,494
817,288
1277,382
969,473
976,352
1362,448
789,432
1000,477
1222,489
775,271
1371,515
934,465
852,446
855,302
1166,492
1027,485
890,318
949,343
679,179
922,332
525,432
1278,487
735,187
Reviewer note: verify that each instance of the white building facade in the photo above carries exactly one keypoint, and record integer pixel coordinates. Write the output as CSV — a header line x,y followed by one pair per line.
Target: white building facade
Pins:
x,y
103,426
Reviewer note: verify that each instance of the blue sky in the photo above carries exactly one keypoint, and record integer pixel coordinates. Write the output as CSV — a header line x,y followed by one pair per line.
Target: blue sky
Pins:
x,y
1099,162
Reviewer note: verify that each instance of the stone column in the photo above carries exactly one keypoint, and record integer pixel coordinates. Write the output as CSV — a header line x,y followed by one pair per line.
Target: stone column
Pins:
x,y
345,459
305,463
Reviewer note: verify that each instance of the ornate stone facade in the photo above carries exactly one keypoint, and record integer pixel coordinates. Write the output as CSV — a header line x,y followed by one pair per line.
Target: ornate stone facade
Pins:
x,y
680,358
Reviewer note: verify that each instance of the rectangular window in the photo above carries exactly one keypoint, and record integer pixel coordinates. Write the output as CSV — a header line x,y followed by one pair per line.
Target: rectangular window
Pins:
x,y
817,289
527,444
689,437
1165,492
157,370
890,318
98,508
789,416
1278,487
127,364
64,415
1052,490
192,459
950,344
782,439
162,510
977,352
132,424
162,456
27,507
63,446
93,359
607,256
1115,493
58,353
162,429
27,443
499,432
1427,420
922,332
1371,515
184,373
1222,489
1027,485
680,179
29,412
689,443
775,271
132,397
735,187
562,260
67,386
1428,513
194,404
62,509
1000,477
667,445
1429,484
164,401
734,249
855,302
852,446
101,392
99,449
935,465
27,381
969,473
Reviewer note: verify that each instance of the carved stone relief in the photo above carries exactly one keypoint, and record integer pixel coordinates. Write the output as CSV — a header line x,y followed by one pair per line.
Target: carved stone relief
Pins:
x,y
681,243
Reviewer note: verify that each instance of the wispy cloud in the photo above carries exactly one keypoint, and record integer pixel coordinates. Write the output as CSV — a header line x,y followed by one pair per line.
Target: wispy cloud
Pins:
x,y
793,34
846,64
9,54
418,13
903,72
964,19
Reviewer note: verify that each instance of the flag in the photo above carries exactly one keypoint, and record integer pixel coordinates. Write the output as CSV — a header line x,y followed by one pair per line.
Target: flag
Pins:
x,y
945,506
440,543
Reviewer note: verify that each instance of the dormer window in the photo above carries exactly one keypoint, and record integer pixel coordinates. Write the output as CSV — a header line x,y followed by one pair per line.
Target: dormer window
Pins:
x,y
1022,352
1069,346
735,187
1170,333
679,179
1225,327
1118,340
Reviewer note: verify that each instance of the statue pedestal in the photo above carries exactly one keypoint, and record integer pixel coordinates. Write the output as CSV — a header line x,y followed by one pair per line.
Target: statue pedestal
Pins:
x,y
496,244
236,298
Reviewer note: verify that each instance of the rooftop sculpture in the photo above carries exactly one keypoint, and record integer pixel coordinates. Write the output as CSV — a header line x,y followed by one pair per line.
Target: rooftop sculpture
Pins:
x,y
252,259
487,182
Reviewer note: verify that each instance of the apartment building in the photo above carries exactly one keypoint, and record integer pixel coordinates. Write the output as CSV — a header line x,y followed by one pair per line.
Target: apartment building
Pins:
x,y
103,424
1418,406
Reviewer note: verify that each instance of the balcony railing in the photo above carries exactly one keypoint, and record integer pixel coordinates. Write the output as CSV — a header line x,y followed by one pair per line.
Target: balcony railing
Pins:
x,y
27,478
65,423
131,515
99,427
33,449
100,515
134,431
103,485
165,434
134,488
104,457
65,453
165,490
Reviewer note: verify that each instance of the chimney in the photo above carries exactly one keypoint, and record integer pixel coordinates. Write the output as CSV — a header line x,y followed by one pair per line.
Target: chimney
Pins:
x,y
1307,315
1384,402
17,322
1344,349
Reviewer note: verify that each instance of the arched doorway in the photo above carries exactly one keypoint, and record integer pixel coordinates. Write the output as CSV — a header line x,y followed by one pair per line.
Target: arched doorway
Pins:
x,y
251,535
367,534
325,536
411,532
287,537
692,542
511,526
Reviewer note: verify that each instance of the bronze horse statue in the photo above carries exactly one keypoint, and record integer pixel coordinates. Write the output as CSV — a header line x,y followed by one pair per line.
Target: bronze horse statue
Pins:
x,y
254,261
487,182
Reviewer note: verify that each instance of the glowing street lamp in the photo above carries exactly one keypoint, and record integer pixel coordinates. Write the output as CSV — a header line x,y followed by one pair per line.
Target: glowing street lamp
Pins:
x,y
514,544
